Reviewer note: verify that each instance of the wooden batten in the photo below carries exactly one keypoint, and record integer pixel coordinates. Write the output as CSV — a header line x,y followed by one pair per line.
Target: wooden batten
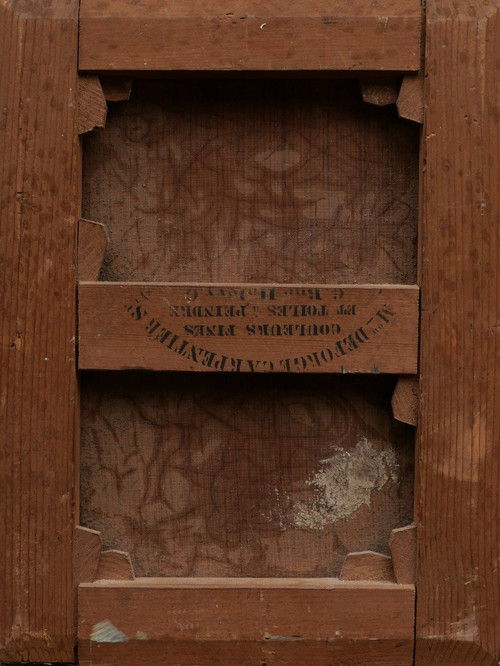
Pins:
x,y
248,328
282,35
247,621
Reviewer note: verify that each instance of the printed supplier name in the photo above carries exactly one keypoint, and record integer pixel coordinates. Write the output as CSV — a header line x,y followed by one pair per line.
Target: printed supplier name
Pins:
x,y
197,354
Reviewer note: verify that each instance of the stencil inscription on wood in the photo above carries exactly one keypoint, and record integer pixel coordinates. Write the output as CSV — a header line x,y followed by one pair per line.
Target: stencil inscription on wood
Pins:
x,y
248,328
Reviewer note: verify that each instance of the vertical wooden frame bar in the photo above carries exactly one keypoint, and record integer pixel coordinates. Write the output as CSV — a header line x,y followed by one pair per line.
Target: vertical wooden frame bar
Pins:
x,y
39,201
458,457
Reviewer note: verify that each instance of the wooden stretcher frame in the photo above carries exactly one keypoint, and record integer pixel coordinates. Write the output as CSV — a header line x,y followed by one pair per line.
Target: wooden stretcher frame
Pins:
x,y
458,457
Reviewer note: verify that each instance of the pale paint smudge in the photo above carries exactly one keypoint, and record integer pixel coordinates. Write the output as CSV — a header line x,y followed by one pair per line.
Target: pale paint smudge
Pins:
x,y
106,632
344,483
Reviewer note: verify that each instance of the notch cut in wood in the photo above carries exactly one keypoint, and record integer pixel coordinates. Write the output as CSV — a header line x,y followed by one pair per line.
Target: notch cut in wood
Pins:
x,y
367,565
92,107
404,400
403,547
92,245
410,102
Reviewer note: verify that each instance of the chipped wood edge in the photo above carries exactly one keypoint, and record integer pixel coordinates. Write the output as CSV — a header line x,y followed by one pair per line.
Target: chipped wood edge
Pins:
x,y
92,106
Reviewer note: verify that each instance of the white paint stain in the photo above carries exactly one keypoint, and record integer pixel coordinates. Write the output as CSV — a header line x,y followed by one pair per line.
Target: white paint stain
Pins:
x,y
280,514
344,483
106,632
466,629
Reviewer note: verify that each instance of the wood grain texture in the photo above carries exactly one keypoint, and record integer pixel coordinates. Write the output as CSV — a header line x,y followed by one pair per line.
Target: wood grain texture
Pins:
x,y
115,565
92,246
404,400
245,621
403,547
271,652
458,619
254,181
248,328
278,35
87,547
92,107
243,475
39,209
367,565
410,102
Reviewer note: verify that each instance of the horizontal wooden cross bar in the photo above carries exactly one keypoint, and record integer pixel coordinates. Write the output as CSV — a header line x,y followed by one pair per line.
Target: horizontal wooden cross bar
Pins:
x,y
241,621
248,327
280,35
